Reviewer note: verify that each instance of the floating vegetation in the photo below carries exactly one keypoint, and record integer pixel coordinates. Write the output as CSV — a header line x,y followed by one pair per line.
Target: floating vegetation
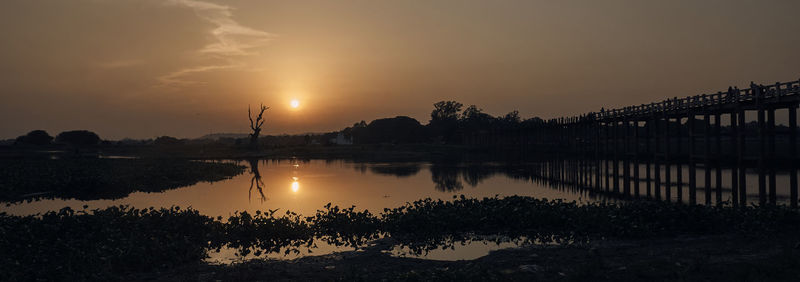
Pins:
x,y
92,179
77,245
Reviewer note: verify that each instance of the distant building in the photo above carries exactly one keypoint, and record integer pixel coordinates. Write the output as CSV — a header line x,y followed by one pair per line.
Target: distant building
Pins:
x,y
341,140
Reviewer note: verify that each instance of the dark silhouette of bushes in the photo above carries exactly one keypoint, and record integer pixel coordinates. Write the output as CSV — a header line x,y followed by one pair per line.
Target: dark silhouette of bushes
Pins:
x,y
399,129
92,179
36,137
101,244
167,141
78,138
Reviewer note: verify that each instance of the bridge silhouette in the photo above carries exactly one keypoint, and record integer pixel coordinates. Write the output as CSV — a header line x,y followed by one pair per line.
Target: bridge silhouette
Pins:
x,y
607,151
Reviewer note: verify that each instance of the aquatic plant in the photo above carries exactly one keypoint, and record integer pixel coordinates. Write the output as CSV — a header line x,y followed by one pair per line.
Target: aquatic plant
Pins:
x,y
96,244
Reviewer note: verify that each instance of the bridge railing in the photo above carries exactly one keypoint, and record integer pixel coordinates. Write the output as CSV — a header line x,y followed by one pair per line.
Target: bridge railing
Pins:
x,y
756,94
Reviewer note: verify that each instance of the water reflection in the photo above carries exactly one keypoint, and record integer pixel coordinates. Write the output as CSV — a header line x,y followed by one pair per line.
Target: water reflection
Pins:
x,y
255,180
446,178
375,186
399,170
295,184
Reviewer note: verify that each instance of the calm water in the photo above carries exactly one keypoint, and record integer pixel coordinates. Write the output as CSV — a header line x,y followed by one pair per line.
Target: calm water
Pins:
x,y
306,186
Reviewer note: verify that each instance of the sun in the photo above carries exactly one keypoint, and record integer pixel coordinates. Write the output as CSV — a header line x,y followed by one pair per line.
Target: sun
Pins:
x,y
294,103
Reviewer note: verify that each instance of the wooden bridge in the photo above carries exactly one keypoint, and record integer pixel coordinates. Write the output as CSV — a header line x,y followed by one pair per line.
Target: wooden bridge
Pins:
x,y
611,148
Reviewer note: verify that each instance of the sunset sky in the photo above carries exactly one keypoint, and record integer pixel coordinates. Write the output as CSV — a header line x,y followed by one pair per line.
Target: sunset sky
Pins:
x,y
186,68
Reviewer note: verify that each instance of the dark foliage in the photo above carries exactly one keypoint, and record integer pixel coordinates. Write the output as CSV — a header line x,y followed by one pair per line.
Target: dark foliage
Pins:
x,y
167,141
90,179
36,137
104,243
78,138
98,245
395,130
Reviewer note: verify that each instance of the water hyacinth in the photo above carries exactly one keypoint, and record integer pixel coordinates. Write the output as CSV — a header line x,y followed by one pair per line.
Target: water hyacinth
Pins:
x,y
98,243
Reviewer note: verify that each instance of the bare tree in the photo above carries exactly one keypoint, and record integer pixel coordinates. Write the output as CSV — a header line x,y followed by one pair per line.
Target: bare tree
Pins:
x,y
255,125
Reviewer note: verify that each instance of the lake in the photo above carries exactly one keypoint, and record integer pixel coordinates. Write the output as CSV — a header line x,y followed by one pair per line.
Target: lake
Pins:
x,y
305,186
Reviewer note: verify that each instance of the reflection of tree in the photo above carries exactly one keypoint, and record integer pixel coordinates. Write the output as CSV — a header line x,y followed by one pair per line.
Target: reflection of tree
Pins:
x,y
402,170
446,178
255,181
473,175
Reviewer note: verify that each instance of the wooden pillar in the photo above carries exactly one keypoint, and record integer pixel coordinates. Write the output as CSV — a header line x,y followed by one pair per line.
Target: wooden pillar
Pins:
x,y
707,154
678,164
741,161
636,159
626,178
616,156
734,152
718,156
692,169
771,155
762,149
648,149
793,156
667,162
597,162
656,159
607,156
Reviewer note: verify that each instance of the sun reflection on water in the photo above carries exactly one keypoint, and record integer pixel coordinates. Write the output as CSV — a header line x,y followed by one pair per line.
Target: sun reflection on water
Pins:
x,y
295,184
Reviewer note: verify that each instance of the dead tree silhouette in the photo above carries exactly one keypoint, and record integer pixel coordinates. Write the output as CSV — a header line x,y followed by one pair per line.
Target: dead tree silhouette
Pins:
x,y
255,125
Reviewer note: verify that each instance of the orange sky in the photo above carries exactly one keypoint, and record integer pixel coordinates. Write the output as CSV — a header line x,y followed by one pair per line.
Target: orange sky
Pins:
x,y
187,68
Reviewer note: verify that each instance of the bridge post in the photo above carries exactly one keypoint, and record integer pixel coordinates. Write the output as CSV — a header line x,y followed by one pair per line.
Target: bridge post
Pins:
x,y
793,156
762,135
648,126
734,157
679,164
616,156
608,155
656,158
692,168
626,159
742,165
667,163
596,123
707,155
718,156
771,155
636,158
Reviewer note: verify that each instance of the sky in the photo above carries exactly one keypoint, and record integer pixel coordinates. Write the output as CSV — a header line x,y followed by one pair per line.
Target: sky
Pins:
x,y
187,68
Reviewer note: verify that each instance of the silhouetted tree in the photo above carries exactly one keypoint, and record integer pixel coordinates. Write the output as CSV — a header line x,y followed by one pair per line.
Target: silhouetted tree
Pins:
x,y
474,118
78,138
167,141
399,129
445,111
36,137
512,117
255,125
444,120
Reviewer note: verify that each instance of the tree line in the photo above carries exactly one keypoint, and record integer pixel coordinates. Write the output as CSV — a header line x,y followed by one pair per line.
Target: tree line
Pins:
x,y
78,138
449,124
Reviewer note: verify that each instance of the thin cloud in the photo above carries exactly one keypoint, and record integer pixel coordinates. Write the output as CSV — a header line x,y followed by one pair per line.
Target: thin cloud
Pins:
x,y
231,40
175,78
